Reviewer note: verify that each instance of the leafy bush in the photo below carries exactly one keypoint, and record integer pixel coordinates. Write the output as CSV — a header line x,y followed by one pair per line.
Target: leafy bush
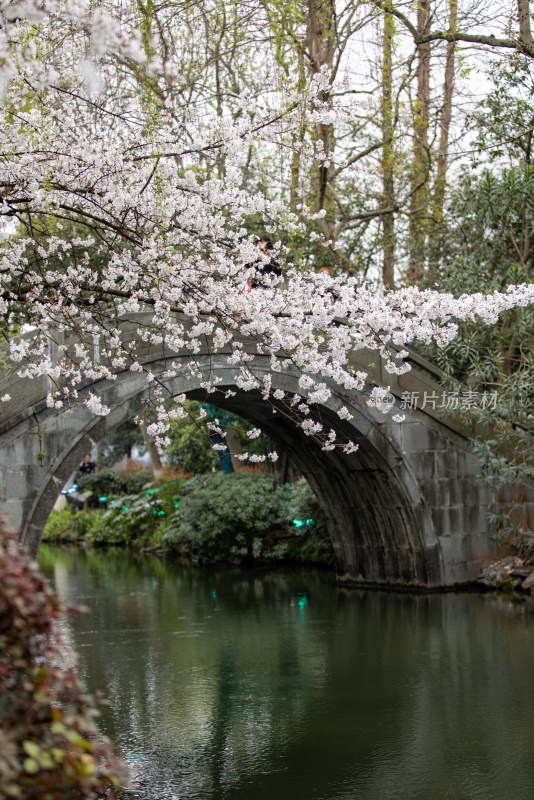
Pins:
x,y
82,521
112,483
59,525
225,516
70,526
516,540
50,747
170,488
521,543
134,519
311,545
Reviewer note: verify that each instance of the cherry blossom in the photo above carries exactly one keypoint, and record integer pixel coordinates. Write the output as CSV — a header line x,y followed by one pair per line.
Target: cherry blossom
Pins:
x,y
111,220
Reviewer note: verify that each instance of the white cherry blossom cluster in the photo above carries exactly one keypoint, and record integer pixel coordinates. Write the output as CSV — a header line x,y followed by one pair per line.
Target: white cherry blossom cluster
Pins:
x,y
118,240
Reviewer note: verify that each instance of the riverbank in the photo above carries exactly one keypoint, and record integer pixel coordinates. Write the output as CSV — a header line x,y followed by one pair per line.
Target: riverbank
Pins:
x,y
244,518
239,518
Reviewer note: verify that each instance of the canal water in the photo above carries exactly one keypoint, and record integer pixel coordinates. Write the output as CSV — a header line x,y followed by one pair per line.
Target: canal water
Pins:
x,y
276,685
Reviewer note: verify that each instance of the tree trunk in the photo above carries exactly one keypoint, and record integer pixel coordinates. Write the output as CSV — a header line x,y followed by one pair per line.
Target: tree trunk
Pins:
x,y
320,39
445,117
388,188
155,460
421,162
99,455
285,470
298,143
525,33
233,444
445,124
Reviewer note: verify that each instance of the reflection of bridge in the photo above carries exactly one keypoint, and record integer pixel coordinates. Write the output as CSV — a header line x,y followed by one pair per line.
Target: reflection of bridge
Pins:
x,y
405,508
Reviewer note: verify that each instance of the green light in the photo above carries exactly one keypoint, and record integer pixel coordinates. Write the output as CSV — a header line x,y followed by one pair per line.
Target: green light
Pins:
x,y
303,600
298,523
309,522
102,499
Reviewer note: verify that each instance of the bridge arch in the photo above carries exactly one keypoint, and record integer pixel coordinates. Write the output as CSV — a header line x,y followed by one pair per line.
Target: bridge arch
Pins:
x,y
379,523
407,507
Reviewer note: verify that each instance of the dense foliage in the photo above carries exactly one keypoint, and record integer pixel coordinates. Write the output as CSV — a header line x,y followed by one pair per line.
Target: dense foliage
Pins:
x,y
98,487
221,515
487,245
239,517
244,516
50,747
129,514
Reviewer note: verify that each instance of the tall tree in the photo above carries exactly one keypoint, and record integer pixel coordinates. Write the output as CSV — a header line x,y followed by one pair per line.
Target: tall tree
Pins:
x,y
421,150
445,119
520,41
388,195
321,41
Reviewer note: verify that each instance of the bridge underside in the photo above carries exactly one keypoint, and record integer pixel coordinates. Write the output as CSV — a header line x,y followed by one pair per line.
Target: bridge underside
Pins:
x,y
375,530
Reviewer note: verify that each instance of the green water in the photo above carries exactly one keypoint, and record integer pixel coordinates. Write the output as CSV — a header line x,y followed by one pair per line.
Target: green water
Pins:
x,y
276,685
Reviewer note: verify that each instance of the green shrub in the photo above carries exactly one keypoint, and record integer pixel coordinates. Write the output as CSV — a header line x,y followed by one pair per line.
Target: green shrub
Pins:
x,y
82,522
170,489
132,520
310,545
71,526
112,483
244,517
237,517
50,747
225,516
59,526
136,519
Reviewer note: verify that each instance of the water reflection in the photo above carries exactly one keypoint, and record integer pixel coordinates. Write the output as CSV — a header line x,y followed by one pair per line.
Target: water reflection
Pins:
x,y
241,685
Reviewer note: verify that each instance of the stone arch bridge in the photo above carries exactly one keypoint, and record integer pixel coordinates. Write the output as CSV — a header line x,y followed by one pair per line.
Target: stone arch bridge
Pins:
x,y
406,508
